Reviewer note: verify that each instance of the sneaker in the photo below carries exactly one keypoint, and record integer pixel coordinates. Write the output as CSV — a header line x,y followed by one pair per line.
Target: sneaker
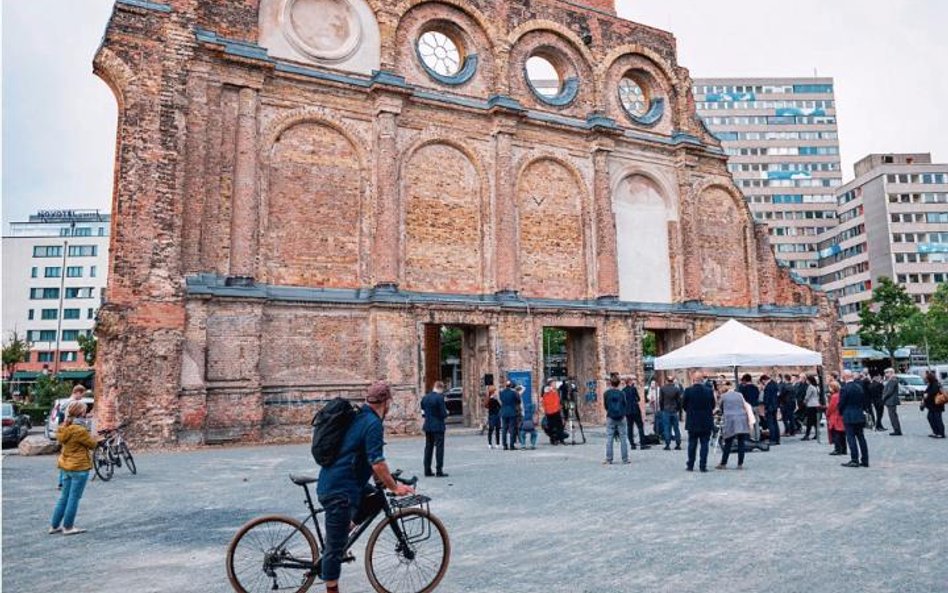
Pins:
x,y
626,462
73,531
53,530
491,447
721,466
677,447
667,448
607,462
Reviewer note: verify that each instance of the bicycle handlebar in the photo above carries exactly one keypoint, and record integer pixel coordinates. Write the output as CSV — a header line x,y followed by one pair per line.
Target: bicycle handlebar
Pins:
x,y
397,475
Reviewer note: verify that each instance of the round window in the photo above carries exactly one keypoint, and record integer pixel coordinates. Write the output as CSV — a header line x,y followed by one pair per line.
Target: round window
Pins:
x,y
440,53
633,97
544,77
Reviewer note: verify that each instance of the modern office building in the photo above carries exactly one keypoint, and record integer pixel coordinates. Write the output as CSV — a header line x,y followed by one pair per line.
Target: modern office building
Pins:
x,y
893,221
54,270
783,146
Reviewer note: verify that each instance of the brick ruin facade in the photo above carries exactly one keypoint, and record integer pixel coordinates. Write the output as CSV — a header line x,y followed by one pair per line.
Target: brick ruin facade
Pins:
x,y
299,198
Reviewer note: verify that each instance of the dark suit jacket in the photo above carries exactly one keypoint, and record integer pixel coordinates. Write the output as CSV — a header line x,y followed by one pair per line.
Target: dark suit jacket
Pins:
x,y
632,400
750,392
852,402
890,393
771,396
699,409
435,412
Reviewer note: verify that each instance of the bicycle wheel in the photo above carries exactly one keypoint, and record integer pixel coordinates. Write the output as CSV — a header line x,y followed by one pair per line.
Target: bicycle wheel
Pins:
x,y
272,553
102,462
415,565
127,456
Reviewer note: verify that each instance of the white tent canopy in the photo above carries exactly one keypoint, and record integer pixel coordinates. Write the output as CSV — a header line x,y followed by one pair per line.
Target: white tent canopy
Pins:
x,y
736,345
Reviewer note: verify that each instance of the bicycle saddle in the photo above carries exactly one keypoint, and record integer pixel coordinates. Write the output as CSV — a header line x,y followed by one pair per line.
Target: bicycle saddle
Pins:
x,y
301,480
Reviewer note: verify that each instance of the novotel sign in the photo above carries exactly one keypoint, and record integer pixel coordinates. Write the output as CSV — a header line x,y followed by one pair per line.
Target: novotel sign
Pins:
x,y
69,215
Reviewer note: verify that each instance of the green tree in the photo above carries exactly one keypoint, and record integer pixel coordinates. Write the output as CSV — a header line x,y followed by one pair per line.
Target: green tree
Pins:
x,y
930,329
14,352
886,322
88,345
47,389
451,342
649,344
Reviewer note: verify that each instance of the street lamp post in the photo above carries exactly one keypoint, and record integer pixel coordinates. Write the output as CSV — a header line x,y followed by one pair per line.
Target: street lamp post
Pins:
x,y
59,312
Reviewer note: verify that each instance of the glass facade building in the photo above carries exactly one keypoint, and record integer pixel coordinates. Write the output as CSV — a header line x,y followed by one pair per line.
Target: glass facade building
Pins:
x,y
782,142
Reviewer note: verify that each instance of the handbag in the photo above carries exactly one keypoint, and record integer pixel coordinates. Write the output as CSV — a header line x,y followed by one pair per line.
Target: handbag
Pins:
x,y
941,399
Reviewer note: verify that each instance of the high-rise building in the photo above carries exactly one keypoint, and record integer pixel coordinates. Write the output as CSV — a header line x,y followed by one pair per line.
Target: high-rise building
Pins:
x,y
893,221
781,138
54,270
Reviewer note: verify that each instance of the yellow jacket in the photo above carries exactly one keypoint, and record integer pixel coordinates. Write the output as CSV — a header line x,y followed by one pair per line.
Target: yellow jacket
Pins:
x,y
76,442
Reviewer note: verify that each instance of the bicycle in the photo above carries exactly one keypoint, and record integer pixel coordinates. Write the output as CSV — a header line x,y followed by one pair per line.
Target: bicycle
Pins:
x,y
110,453
407,552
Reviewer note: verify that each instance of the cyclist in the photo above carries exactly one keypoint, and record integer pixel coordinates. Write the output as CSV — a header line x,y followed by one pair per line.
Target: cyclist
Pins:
x,y
343,487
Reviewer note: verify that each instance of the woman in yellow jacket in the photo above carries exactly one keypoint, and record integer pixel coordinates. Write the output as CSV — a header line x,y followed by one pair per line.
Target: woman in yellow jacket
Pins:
x,y
75,465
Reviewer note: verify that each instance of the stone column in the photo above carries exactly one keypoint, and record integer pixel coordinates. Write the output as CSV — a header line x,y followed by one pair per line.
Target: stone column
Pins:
x,y
607,265
506,237
386,246
243,230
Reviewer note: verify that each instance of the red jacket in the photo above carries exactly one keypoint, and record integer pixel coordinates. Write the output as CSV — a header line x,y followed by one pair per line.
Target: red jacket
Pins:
x,y
833,418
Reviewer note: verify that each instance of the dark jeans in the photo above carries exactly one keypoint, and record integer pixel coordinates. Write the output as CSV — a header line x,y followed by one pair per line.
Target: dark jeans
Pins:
x,y
493,429
789,422
879,405
937,423
811,423
704,438
339,514
670,425
434,442
726,450
632,421
773,426
509,427
854,435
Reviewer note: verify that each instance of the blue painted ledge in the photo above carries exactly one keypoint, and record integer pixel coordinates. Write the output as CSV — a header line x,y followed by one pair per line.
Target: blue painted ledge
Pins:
x,y
146,5
218,286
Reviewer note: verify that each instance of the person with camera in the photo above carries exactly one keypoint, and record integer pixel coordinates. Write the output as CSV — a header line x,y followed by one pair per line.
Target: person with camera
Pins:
x,y
553,412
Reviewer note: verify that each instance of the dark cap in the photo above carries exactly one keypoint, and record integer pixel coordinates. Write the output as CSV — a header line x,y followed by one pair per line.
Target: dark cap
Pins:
x,y
379,392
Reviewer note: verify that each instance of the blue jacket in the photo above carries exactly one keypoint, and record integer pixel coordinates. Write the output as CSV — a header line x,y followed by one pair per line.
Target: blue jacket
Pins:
x,y
614,402
772,397
852,402
509,400
361,449
432,405
699,408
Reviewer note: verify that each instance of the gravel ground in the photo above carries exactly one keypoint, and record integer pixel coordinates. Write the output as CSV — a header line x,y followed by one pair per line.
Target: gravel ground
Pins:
x,y
551,520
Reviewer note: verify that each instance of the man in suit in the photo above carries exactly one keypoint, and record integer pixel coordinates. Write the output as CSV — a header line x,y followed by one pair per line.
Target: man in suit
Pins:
x,y
435,412
771,405
633,416
509,401
874,395
890,397
852,404
699,421
787,406
669,397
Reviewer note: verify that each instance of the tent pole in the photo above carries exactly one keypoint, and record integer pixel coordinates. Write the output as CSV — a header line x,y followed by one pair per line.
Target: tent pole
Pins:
x,y
736,382
819,373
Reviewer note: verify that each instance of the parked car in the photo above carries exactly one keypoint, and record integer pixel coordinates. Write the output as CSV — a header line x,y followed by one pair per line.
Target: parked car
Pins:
x,y
911,387
454,401
59,408
15,426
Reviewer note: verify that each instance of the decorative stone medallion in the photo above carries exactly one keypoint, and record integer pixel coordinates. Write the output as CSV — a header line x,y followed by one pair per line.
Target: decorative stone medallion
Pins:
x,y
326,30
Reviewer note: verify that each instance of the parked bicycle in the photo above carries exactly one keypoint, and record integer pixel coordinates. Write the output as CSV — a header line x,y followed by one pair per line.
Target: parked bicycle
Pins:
x,y
407,552
112,452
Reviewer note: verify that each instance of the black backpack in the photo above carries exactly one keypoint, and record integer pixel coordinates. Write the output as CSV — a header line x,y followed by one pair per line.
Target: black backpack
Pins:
x,y
329,428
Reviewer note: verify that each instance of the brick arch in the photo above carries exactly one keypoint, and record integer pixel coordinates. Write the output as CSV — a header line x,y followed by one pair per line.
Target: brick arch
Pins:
x,y
656,72
639,50
552,223
668,191
114,72
444,191
313,187
736,196
466,7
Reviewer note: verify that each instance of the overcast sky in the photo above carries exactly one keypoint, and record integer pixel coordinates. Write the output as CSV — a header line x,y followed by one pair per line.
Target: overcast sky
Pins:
x,y
889,59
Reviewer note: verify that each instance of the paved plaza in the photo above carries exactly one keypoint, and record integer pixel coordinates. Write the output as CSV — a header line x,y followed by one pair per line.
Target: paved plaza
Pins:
x,y
551,520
